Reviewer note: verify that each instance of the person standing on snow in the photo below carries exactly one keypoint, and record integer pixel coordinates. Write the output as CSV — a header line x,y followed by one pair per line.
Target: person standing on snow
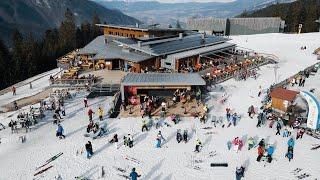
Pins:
x,y
144,125
198,145
59,132
179,136
115,140
250,143
14,90
289,154
300,133
134,175
290,130
236,143
63,110
89,150
278,128
270,151
100,113
159,139
85,101
90,113
185,136
130,140
239,173
234,119
260,153
290,142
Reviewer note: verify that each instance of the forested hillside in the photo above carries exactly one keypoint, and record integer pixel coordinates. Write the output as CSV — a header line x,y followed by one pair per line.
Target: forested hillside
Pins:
x,y
30,56
303,12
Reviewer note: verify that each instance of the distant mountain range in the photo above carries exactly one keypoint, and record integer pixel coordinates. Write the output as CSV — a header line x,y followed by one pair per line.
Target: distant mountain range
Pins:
x,y
168,13
36,16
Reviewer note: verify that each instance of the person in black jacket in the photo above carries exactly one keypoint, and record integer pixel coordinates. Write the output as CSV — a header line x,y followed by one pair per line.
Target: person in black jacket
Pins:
x,y
89,149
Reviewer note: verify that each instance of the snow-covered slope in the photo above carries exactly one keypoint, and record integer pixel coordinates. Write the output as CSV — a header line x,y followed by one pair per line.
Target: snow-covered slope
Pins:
x,y
173,160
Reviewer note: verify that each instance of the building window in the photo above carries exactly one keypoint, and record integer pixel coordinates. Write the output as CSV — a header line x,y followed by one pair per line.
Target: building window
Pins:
x,y
168,64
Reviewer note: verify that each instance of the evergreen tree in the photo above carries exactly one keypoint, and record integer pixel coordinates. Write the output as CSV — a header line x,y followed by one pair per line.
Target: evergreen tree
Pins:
x,y
95,29
67,32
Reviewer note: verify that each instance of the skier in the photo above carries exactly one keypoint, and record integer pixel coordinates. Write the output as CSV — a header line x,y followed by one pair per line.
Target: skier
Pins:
x,y
289,154
261,143
250,143
85,101
278,128
100,113
179,136
14,90
239,173
90,113
89,150
251,111
185,136
115,140
59,132
125,141
198,145
134,175
270,151
57,112
229,144
144,125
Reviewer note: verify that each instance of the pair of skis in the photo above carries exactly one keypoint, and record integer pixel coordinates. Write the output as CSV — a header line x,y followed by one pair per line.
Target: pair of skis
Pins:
x,y
301,176
123,171
315,146
46,163
126,157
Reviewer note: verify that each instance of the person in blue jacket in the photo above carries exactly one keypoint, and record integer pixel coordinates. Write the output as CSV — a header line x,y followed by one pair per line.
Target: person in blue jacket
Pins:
x,y
270,151
134,175
60,131
291,142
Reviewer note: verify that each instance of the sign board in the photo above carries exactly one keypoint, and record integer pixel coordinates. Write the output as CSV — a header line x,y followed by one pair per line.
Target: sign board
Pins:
x,y
313,119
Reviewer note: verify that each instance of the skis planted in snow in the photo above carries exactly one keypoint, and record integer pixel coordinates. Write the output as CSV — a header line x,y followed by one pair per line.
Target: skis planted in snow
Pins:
x,y
43,170
50,160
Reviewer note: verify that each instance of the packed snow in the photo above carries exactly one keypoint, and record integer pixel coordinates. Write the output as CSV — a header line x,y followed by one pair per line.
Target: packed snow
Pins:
x,y
173,160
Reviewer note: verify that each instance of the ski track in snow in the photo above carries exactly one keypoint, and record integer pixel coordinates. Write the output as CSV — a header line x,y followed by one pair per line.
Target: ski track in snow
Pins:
x,y
173,160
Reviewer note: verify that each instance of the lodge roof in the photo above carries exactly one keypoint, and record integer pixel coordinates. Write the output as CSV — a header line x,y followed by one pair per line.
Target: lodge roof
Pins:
x,y
283,94
163,79
111,50
175,44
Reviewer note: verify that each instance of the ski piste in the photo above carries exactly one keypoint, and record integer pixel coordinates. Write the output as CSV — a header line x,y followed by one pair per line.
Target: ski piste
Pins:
x,y
50,160
43,170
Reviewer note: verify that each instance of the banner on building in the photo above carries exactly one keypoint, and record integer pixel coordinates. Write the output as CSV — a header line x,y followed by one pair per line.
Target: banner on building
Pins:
x,y
313,119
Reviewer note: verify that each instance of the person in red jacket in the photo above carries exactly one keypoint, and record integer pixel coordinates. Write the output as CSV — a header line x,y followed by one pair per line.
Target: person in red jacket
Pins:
x,y
260,152
90,113
14,90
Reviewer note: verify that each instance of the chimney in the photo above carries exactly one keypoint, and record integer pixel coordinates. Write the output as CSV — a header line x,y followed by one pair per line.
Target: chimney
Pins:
x,y
180,35
139,43
137,25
